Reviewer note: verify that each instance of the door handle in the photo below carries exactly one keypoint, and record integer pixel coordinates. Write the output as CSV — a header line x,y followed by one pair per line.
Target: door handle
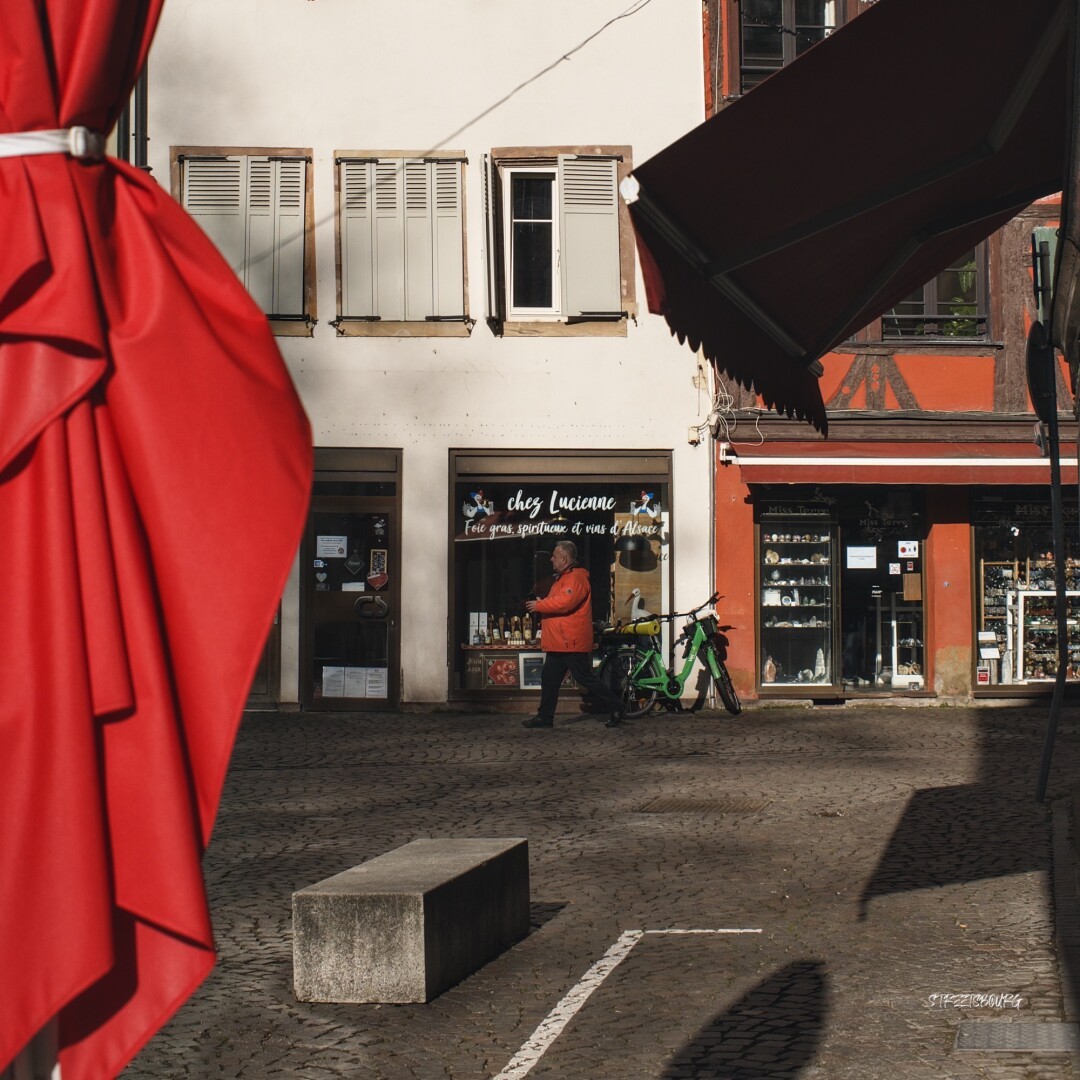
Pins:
x,y
371,607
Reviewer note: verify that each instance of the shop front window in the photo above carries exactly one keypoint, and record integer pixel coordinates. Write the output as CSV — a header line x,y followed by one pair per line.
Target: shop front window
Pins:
x,y
881,604
798,544
504,532
1017,639
840,590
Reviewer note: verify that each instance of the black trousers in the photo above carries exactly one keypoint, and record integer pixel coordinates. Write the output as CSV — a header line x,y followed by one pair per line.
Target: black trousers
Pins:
x,y
579,664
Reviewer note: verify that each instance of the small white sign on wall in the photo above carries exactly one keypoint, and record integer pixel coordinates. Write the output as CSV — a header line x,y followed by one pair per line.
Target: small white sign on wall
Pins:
x,y
907,549
331,547
862,558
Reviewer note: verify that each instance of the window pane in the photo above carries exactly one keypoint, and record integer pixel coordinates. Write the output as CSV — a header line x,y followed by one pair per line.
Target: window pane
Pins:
x,y
762,45
531,197
762,11
905,318
814,13
958,298
814,20
531,257
805,36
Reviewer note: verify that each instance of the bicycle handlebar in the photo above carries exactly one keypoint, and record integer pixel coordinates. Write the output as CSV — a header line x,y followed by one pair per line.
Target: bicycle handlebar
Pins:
x,y
681,614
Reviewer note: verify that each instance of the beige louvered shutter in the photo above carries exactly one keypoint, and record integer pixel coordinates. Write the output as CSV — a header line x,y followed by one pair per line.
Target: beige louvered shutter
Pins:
x,y
357,263
389,240
418,254
214,194
288,207
589,236
496,290
446,239
259,232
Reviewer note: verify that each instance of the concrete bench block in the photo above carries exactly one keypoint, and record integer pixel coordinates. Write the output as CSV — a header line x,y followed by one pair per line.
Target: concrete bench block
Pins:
x,y
407,925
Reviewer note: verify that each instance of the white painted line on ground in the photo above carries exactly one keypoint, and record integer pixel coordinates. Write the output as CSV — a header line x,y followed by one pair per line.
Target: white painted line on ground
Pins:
x,y
675,930
552,1025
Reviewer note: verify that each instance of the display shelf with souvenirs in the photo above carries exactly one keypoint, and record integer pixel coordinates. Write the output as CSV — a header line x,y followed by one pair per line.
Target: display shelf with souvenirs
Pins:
x,y
796,603
998,580
1037,634
1016,607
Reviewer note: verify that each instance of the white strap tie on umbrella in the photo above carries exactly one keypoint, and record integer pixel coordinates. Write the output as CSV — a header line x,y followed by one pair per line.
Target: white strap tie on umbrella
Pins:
x,y
79,142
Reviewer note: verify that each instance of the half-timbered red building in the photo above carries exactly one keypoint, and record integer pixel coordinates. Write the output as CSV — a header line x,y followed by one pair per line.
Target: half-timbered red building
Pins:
x,y
909,553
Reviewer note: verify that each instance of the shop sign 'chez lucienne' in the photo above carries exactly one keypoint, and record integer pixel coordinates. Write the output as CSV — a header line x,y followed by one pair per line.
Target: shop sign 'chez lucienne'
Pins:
x,y
535,515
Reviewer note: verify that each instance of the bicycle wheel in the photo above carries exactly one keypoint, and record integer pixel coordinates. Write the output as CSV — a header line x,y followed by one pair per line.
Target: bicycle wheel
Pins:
x,y
722,680
615,671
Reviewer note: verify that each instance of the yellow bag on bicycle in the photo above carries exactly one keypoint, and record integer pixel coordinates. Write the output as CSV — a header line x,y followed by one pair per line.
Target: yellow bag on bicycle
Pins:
x,y
639,629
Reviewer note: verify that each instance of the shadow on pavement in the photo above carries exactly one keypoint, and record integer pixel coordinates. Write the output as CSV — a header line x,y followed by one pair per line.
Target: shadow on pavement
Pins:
x,y
952,835
986,829
774,1031
993,828
541,914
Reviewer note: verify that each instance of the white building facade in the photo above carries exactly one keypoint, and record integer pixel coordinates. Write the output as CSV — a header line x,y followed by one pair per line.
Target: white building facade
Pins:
x,y
423,198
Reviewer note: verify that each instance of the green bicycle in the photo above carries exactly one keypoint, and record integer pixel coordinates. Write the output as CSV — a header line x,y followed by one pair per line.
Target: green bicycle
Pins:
x,y
635,669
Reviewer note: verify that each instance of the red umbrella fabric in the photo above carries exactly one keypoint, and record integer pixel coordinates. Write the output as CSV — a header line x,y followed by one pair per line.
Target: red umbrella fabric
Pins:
x,y
155,465
815,203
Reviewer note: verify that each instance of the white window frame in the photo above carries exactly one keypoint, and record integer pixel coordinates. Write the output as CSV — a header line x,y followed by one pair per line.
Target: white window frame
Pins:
x,y
592,292
508,174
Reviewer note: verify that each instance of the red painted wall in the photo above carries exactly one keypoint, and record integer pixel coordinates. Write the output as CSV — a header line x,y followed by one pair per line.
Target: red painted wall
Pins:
x,y
949,599
735,557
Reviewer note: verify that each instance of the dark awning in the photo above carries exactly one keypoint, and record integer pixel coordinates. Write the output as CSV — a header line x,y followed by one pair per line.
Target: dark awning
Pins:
x,y
812,205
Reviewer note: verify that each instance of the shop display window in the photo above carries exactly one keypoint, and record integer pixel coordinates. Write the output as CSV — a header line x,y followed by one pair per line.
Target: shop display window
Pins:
x,y
504,532
840,590
1017,638
797,601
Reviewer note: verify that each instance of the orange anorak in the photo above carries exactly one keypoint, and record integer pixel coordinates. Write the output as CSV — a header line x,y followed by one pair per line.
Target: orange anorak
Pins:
x,y
567,612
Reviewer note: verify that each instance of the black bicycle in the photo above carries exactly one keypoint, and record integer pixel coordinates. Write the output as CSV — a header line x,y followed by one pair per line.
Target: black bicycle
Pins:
x,y
634,667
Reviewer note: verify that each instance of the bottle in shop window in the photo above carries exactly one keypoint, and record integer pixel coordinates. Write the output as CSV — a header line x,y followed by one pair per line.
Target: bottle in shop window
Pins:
x,y
504,629
527,627
515,630
496,631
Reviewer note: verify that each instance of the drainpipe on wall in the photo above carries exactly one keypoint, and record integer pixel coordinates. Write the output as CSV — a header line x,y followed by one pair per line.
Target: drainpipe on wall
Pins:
x,y
139,128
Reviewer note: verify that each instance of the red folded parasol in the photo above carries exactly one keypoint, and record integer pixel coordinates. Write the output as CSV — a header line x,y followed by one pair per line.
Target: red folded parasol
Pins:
x,y
154,476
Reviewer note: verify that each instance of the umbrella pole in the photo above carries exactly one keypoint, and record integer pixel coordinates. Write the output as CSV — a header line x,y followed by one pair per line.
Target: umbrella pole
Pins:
x,y
39,1058
1059,603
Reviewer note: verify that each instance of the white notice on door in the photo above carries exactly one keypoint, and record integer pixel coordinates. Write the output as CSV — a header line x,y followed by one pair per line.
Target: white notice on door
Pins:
x,y
356,682
331,547
376,683
333,682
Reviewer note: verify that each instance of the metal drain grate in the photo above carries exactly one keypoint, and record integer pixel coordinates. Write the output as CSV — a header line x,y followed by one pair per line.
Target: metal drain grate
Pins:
x,y
1010,1035
680,804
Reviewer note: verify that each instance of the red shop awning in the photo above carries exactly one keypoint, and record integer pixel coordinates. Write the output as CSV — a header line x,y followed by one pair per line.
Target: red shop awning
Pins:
x,y
815,203
897,463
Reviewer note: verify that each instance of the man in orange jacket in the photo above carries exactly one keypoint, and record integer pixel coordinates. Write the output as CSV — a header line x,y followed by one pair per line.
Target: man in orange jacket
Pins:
x,y
567,638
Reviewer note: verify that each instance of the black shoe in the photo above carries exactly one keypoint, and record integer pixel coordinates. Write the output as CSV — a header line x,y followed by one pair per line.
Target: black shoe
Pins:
x,y
615,719
537,721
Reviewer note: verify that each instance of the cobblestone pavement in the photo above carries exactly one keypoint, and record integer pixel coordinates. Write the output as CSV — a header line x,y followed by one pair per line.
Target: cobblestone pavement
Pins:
x,y
886,854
